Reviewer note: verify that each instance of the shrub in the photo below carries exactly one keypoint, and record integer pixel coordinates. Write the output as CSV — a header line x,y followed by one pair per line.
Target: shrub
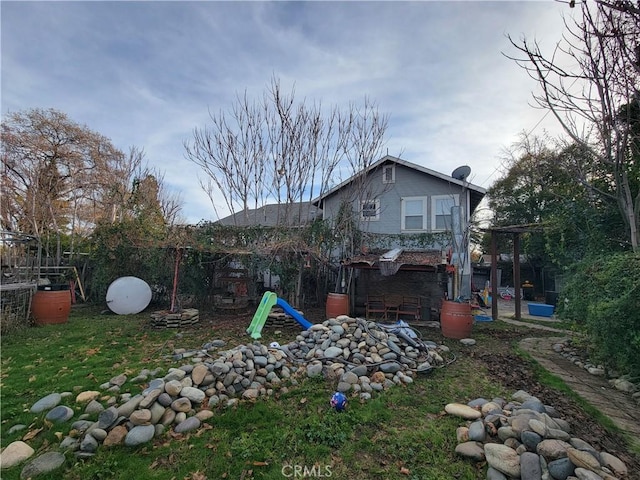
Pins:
x,y
603,297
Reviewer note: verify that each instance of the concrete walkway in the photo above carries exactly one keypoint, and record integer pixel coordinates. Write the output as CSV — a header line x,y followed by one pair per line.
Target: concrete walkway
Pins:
x,y
616,405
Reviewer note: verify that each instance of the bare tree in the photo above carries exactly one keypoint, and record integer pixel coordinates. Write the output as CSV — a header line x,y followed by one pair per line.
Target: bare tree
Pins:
x,y
282,150
591,84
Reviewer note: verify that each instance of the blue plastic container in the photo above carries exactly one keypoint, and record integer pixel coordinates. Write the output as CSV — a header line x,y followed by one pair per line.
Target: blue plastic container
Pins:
x,y
540,309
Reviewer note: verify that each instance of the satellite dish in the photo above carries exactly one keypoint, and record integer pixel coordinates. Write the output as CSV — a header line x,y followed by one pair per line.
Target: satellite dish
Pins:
x,y
461,173
128,295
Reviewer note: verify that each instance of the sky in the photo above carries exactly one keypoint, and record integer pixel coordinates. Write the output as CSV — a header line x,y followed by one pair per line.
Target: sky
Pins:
x,y
146,74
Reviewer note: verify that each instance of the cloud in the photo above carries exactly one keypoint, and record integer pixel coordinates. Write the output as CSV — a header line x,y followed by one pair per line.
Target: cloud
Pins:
x,y
148,73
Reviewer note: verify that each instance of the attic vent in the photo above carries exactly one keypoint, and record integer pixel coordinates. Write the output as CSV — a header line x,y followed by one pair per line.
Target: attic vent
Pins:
x,y
388,174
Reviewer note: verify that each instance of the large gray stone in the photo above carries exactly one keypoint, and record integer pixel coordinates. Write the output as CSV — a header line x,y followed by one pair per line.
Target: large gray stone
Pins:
x,y
15,453
46,403
45,463
139,434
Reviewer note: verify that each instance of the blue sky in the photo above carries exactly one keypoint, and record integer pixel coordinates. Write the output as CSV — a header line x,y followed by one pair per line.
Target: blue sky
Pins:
x,y
147,73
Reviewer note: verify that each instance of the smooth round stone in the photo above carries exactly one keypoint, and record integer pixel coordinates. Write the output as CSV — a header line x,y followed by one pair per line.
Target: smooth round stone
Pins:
x,y
530,468
191,423
82,425
99,434
167,417
198,373
129,406
165,399
45,463
204,415
182,404
552,449
584,474
87,396
15,453
533,404
471,450
118,380
115,436
503,459
194,394
477,402
107,418
391,367
93,407
157,410
153,384
477,432
468,341
463,411
561,468
614,464
583,459
332,352
493,474
59,414
69,443
139,434
16,428
490,407
530,440
314,370
89,444
141,417
46,403
150,398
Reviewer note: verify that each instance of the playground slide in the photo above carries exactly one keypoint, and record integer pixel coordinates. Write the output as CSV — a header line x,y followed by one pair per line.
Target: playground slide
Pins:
x,y
289,310
262,312
269,299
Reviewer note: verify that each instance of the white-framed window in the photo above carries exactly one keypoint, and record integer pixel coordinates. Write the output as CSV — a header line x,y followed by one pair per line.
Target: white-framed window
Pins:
x,y
389,174
441,211
370,210
414,214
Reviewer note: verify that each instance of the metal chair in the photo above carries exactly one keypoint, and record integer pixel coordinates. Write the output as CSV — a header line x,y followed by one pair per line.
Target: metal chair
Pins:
x,y
410,306
375,305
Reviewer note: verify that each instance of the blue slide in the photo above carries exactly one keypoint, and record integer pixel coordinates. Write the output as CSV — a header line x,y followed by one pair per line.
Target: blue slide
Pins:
x,y
289,310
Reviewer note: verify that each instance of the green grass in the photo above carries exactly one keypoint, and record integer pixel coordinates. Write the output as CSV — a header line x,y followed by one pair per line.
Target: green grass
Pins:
x,y
399,434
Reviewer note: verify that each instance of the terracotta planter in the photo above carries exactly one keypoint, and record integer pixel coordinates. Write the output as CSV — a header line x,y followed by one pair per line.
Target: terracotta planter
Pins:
x,y
337,304
51,304
456,320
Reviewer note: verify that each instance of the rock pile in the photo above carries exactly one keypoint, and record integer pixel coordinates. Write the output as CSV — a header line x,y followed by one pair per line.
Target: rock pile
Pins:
x,y
625,383
360,356
525,439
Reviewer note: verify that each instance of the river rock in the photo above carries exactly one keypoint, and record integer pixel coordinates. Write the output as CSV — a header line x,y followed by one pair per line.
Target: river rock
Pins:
x,y
583,459
530,466
503,459
15,453
463,411
45,463
87,396
60,414
139,434
194,394
561,468
46,403
552,449
191,423
471,450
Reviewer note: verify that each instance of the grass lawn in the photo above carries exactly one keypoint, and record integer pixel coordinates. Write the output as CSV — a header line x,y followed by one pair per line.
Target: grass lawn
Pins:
x,y
399,434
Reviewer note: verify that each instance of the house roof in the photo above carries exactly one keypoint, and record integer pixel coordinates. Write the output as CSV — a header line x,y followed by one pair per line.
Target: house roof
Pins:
x,y
477,192
292,214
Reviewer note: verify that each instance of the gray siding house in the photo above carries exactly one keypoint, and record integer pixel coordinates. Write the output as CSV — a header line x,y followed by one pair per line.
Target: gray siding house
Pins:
x,y
394,196
407,227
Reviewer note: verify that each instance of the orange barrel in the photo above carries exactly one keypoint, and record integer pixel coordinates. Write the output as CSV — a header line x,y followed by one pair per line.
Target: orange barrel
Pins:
x,y
456,320
337,304
51,304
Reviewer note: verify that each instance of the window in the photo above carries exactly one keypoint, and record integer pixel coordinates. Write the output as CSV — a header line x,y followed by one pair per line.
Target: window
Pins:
x,y
370,210
389,174
441,211
414,213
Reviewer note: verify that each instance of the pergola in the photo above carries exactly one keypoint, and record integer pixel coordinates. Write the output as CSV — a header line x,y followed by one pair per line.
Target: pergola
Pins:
x,y
514,230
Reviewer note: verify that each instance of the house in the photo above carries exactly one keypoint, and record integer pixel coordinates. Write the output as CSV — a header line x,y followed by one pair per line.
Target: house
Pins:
x,y
420,213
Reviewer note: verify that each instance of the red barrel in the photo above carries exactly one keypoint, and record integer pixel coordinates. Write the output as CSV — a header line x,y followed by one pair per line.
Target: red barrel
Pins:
x,y
337,304
51,304
456,320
